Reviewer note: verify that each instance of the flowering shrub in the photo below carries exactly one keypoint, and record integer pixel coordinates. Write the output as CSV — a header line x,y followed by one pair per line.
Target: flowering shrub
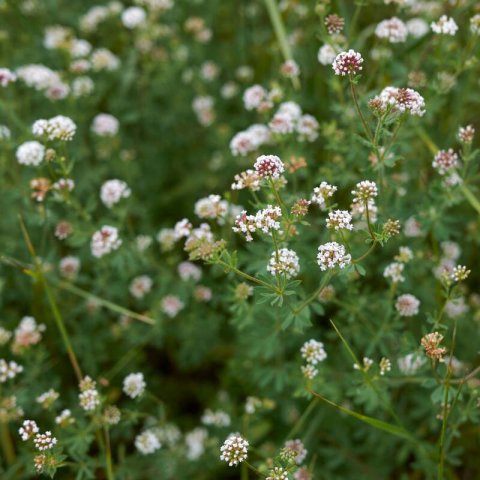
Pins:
x,y
239,239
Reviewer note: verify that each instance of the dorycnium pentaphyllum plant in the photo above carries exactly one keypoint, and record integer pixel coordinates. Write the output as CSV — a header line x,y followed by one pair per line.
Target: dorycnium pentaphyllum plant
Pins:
x,y
239,240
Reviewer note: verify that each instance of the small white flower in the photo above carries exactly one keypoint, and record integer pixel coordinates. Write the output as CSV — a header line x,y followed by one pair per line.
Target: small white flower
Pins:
x,y
331,255
44,441
147,442
407,305
393,30
445,25
140,286
28,429
234,450
30,153
394,272
133,17
339,219
286,264
105,125
104,241
313,352
134,385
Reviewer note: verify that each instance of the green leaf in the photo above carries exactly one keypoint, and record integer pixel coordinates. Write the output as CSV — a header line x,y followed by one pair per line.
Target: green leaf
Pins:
x,y
379,424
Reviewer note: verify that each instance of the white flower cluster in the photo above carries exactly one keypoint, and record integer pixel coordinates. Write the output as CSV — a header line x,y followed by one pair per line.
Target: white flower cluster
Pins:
x,y
475,24
322,192
364,191
218,418
402,100
445,25
56,128
393,30
113,191
134,385
327,53
247,179
331,255
313,352
211,207
297,448
445,161
234,450
407,305
69,267
64,418
347,63
339,219
30,153
290,69
277,473
147,442
105,125
410,363
64,185
203,107
44,441
133,17
103,59
140,286
189,271
269,166
394,272
255,97
195,443
88,397
417,27
287,120
28,429
6,77
104,241
43,79
171,305
47,398
250,139
9,370
27,333
285,263
265,220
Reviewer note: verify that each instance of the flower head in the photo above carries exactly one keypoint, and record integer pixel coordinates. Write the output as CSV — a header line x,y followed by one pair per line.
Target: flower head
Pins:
x,y
286,263
313,352
339,220
431,343
364,191
444,161
407,305
393,30
445,25
134,385
105,241
331,255
347,63
234,450
269,166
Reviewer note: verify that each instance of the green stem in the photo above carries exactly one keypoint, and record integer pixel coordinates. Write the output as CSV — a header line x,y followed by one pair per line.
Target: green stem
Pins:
x,y
108,455
298,424
7,444
281,34
53,304
470,197
247,276
360,114
446,413
315,294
